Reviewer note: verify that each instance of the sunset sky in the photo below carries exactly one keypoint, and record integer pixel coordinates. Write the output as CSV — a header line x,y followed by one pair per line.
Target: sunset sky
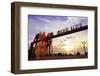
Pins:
x,y
42,23
71,43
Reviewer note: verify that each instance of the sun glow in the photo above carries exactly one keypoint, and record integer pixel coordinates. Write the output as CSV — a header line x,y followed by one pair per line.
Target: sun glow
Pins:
x,y
72,45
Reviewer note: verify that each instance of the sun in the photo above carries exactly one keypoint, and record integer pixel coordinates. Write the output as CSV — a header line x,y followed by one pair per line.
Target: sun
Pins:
x,y
68,48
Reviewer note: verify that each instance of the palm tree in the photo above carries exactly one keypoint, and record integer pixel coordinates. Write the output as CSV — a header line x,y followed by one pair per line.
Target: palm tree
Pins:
x,y
84,47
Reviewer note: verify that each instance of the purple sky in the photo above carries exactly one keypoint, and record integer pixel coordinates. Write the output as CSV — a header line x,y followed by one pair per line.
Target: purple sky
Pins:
x,y
40,23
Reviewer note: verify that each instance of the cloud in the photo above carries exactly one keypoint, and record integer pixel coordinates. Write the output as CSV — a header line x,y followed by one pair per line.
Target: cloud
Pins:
x,y
37,23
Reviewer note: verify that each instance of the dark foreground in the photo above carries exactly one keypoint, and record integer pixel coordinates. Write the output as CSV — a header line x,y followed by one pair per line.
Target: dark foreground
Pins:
x,y
53,57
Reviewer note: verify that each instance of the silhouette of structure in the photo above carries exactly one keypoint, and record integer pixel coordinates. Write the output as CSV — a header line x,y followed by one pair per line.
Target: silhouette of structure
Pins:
x,y
68,32
42,44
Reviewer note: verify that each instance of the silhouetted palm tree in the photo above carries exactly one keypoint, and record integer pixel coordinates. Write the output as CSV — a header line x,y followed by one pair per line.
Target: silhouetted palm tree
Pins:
x,y
84,47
